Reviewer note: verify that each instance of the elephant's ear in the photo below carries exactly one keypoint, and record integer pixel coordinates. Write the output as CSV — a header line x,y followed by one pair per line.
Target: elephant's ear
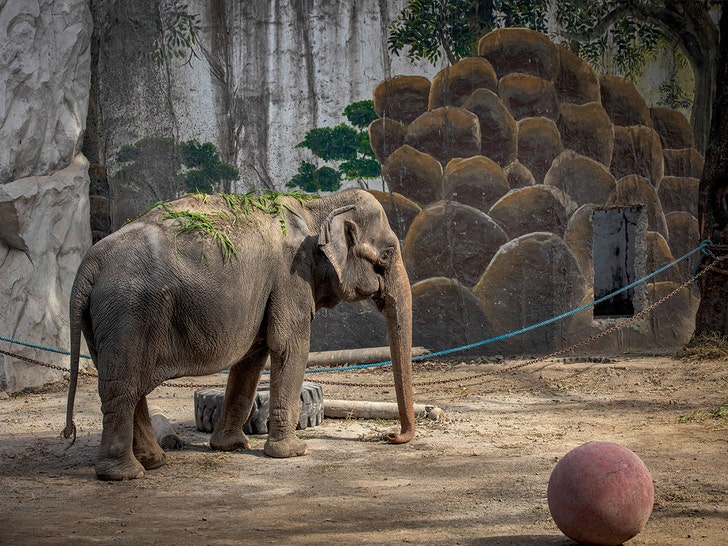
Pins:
x,y
336,236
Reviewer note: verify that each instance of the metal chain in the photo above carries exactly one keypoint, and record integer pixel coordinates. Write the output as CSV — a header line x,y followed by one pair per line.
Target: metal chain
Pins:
x,y
87,374
467,378
44,364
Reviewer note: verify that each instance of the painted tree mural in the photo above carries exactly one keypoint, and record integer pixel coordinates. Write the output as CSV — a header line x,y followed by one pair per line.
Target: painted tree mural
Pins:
x,y
613,35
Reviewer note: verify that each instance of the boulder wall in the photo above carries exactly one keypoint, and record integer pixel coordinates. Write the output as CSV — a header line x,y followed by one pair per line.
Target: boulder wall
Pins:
x,y
44,204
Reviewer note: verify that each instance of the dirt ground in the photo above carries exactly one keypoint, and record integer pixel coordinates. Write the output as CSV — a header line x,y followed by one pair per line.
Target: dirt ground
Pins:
x,y
478,476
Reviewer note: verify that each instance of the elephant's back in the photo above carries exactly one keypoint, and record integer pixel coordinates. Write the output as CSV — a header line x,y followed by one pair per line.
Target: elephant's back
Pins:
x,y
176,295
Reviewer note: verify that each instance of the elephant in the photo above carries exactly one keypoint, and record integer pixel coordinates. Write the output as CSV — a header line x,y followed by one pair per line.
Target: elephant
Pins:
x,y
208,283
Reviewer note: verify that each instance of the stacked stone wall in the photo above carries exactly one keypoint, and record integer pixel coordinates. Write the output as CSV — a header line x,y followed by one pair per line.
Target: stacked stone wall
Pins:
x,y
499,163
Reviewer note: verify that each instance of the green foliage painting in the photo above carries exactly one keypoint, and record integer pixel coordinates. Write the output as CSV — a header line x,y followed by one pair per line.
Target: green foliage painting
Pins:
x,y
178,32
204,168
431,27
600,31
345,146
193,166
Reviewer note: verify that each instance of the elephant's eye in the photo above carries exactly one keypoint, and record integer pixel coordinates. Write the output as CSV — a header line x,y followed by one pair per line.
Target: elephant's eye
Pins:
x,y
386,256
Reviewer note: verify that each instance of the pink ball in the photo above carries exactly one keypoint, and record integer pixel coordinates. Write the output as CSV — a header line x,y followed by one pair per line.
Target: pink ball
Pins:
x,y
601,494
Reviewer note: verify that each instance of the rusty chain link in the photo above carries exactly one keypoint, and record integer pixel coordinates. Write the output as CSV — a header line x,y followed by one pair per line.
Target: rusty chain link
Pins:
x,y
560,352
88,374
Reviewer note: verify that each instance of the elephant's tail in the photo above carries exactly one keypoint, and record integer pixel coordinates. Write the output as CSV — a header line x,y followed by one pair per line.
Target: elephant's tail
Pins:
x,y
80,293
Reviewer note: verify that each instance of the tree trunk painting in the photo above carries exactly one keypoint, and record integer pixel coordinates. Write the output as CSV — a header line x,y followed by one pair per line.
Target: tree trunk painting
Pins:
x,y
712,317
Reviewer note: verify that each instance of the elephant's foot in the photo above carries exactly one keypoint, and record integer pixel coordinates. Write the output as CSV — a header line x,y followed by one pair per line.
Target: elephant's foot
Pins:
x,y
115,469
148,452
290,446
229,441
152,460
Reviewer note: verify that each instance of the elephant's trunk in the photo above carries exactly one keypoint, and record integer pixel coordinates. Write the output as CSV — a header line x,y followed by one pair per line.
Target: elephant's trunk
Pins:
x,y
398,312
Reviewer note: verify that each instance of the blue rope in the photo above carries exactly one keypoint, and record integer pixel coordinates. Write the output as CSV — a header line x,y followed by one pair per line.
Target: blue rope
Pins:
x,y
39,347
699,248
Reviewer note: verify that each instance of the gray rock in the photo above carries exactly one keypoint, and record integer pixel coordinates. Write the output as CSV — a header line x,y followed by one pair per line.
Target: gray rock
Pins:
x,y
575,82
658,255
414,174
402,98
683,162
684,233
400,211
531,279
446,314
587,129
476,181
533,208
498,130
636,189
454,84
637,150
539,143
348,326
45,77
520,50
623,102
679,193
528,96
673,127
581,178
445,133
449,239
664,330
579,235
518,175
53,222
385,136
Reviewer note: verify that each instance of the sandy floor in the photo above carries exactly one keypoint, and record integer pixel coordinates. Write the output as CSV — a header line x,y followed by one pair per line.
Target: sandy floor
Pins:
x,y
478,476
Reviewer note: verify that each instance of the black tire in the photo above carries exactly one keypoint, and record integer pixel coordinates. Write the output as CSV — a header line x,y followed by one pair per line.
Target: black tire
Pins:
x,y
208,408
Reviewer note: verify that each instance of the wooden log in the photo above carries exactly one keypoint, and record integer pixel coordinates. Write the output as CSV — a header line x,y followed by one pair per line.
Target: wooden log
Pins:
x,y
318,359
163,430
355,356
353,409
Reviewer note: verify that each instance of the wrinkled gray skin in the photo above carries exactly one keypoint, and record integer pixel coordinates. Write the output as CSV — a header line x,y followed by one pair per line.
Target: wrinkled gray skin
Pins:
x,y
155,304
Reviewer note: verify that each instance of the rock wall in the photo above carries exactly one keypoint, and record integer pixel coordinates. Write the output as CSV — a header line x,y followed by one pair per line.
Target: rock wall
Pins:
x,y
44,210
495,162
262,75
498,165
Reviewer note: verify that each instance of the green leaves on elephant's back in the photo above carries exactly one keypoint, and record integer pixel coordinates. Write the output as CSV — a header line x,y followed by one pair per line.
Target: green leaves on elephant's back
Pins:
x,y
269,203
206,223
215,223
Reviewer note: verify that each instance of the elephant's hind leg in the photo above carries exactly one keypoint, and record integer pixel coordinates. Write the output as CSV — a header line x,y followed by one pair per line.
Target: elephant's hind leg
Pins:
x,y
239,396
146,448
116,460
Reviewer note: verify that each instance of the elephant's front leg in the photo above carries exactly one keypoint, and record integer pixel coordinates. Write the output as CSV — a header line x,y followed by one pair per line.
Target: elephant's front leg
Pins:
x,y
239,396
287,372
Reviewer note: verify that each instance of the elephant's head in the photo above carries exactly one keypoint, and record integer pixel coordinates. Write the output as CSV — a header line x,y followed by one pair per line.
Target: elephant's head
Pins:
x,y
366,262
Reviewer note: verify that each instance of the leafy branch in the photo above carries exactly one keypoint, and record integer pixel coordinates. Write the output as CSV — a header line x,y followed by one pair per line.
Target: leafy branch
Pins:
x,y
269,203
178,33
204,223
